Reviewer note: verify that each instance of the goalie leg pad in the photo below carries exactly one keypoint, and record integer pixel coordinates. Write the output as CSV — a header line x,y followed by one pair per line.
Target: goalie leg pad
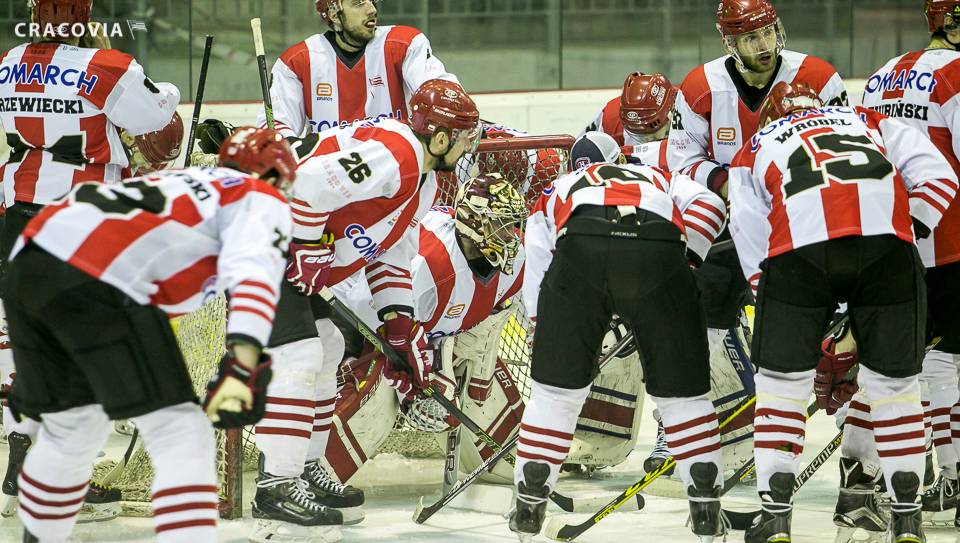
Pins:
x,y
284,433
75,338
182,448
56,474
326,387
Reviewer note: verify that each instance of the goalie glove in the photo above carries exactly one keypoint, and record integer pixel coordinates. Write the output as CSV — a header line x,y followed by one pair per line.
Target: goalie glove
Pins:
x,y
308,267
830,384
407,338
211,134
236,395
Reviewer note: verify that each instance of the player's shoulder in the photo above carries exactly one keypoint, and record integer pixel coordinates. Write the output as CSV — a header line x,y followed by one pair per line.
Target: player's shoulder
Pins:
x,y
231,185
397,34
301,51
112,61
14,54
698,86
810,69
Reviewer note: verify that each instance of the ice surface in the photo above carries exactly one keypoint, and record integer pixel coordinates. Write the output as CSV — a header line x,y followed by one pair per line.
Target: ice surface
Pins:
x,y
393,485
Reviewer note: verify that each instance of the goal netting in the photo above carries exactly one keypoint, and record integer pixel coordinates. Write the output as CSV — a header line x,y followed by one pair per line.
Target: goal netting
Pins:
x,y
529,162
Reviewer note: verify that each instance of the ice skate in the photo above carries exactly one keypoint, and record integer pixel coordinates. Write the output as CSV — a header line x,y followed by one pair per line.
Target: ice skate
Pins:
x,y
905,514
101,503
939,501
704,496
19,444
929,473
857,505
287,513
527,518
330,493
773,525
659,454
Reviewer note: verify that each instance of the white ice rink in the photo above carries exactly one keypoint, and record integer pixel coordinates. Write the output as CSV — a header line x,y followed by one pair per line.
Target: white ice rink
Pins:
x,y
391,504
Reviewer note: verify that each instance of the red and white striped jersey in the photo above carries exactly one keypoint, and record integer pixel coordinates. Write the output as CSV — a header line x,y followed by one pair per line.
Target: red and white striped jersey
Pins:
x,y
651,153
175,238
61,107
921,89
364,183
314,87
698,213
608,121
712,121
827,173
448,296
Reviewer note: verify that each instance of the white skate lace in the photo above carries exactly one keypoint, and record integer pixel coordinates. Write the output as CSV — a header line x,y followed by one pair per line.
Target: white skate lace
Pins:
x,y
660,450
323,480
945,488
299,490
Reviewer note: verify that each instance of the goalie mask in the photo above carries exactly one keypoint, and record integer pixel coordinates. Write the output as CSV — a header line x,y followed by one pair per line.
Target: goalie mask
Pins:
x,y
752,33
491,213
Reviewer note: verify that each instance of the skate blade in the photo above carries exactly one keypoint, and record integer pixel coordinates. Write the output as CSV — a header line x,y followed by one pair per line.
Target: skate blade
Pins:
x,y
938,519
351,515
99,512
9,507
274,531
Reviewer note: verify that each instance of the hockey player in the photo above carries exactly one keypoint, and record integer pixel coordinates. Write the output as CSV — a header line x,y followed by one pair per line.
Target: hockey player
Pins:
x,y
825,203
639,119
93,281
68,102
610,238
354,71
367,186
920,89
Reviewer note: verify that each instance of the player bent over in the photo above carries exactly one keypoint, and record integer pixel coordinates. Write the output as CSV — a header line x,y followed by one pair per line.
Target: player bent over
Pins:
x,y
93,281
366,186
607,239
825,205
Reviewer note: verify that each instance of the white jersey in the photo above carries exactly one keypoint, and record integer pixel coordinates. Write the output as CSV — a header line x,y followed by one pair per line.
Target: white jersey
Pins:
x,y
651,153
699,214
449,297
314,88
175,238
712,121
61,107
922,89
822,174
364,184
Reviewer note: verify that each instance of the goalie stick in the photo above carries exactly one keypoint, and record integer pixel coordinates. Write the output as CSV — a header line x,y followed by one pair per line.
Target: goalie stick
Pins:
x,y
570,505
557,530
262,68
198,102
451,408
117,470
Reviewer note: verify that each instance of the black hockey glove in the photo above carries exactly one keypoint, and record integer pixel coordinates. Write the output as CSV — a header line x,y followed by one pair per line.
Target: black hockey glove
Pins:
x,y
211,134
251,384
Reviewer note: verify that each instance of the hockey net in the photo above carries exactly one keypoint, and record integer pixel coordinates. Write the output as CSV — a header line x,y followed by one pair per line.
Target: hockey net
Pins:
x,y
529,162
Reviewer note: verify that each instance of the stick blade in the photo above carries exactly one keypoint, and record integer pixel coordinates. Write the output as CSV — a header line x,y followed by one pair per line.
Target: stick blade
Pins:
x,y
418,514
557,529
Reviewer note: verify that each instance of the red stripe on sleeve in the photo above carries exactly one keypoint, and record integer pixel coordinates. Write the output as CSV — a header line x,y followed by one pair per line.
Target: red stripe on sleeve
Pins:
x,y
108,66
180,286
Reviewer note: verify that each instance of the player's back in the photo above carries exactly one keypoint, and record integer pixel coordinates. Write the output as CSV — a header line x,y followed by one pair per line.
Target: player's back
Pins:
x,y
56,104
920,88
158,237
826,176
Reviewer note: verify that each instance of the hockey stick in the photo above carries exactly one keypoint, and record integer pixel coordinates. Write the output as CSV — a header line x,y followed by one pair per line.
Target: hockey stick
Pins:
x,y
117,470
198,102
422,513
262,68
557,530
428,391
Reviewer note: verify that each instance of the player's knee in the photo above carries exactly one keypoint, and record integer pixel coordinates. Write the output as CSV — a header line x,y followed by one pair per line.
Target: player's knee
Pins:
x,y
798,385
939,371
890,389
560,398
183,425
334,345
76,432
303,355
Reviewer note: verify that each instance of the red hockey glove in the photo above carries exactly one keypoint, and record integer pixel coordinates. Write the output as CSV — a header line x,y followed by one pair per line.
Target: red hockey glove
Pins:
x,y
407,338
830,384
308,267
235,383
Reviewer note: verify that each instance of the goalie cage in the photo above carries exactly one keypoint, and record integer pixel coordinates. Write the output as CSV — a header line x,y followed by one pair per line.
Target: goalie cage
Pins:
x,y
529,162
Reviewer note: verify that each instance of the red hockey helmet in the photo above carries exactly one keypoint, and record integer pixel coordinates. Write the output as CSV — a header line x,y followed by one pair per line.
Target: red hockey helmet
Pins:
x,y
936,9
740,16
646,102
162,146
785,98
327,9
58,12
441,104
262,153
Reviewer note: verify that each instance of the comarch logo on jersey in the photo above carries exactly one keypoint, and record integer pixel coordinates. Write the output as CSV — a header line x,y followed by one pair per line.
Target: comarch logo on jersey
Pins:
x,y
902,80
370,250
